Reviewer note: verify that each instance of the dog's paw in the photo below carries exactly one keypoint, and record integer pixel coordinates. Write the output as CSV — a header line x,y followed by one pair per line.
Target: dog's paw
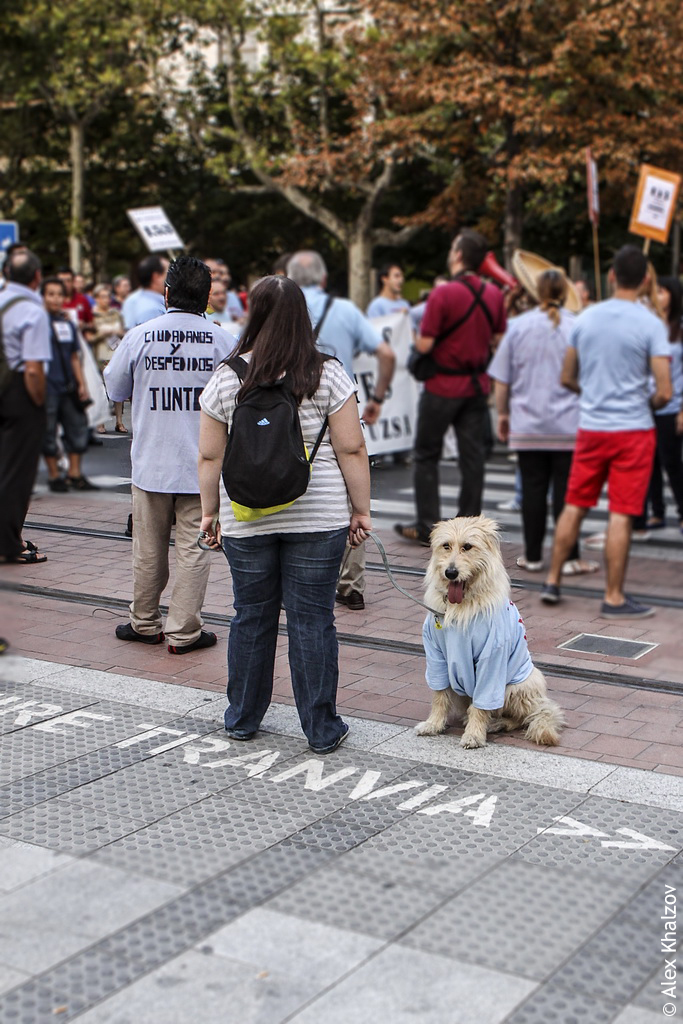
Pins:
x,y
472,742
427,729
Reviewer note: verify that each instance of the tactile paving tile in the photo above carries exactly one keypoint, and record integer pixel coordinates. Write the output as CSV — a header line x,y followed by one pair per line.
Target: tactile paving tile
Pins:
x,y
200,840
648,903
552,1004
608,816
38,702
543,915
447,875
329,834
63,824
341,899
651,996
144,791
619,958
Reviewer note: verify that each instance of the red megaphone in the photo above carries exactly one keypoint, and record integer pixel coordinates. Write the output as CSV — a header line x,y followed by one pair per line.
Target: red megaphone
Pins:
x,y
492,268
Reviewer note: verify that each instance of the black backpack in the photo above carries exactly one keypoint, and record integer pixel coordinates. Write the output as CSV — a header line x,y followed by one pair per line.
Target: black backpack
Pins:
x,y
266,465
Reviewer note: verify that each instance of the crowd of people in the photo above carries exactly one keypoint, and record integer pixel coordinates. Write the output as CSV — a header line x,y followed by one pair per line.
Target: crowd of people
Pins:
x,y
574,399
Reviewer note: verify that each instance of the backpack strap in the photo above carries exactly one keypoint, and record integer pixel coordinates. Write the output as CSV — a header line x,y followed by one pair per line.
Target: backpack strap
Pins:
x,y
321,321
478,301
3,310
238,366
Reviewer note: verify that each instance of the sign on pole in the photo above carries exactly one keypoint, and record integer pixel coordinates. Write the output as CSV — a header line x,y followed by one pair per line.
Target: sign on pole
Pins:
x,y
154,228
655,203
592,185
395,428
594,215
9,233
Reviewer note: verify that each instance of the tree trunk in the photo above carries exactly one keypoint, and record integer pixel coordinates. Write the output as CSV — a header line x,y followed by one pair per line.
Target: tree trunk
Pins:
x,y
76,153
514,218
359,265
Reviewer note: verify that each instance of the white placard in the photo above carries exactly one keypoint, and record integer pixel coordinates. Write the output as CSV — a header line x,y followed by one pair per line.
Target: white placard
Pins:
x,y
395,429
155,229
656,202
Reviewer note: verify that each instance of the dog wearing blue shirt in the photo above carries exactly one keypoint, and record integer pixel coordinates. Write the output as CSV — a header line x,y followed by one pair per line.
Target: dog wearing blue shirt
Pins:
x,y
478,663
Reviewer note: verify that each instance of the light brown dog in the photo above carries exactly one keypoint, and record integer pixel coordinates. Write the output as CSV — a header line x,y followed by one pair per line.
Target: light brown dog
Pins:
x,y
467,585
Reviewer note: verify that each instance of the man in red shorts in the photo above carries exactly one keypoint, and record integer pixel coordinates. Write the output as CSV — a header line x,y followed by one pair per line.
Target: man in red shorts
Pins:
x,y
615,347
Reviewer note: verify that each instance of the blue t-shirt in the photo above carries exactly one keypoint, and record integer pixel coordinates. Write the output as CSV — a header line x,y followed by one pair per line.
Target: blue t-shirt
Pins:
x,y
614,342
385,307
62,334
345,332
142,305
480,659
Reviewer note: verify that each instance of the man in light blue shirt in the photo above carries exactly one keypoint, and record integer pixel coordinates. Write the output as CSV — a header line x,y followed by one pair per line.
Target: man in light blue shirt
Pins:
x,y
344,332
614,348
389,299
147,301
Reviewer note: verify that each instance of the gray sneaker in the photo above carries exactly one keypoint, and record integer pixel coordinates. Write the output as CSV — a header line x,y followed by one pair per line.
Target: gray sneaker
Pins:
x,y
630,609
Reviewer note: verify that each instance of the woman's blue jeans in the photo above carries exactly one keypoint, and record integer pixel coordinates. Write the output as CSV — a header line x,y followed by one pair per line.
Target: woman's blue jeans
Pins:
x,y
299,570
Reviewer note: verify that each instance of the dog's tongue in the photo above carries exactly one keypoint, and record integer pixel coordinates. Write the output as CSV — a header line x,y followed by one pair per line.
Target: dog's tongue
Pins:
x,y
455,592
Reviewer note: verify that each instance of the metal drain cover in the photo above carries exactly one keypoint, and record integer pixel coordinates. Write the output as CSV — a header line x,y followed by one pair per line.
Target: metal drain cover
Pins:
x,y
614,646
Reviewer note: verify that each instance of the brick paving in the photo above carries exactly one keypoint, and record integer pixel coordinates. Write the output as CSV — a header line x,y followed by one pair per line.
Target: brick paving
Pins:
x,y
616,724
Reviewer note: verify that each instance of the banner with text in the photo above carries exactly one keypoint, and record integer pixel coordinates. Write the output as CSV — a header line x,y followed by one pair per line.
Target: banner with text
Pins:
x,y
395,429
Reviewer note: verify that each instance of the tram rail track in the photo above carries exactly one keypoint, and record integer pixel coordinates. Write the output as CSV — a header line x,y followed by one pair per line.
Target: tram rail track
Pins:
x,y
571,590
370,643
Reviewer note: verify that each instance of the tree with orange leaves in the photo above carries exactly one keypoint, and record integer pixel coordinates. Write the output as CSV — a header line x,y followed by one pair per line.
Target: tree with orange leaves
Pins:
x,y
509,92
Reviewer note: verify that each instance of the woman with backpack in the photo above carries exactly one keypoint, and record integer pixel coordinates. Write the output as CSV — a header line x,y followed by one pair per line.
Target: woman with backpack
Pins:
x,y
283,552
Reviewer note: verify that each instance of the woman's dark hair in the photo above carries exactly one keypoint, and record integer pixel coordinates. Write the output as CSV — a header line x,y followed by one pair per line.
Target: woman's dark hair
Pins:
x,y
673,287
280,338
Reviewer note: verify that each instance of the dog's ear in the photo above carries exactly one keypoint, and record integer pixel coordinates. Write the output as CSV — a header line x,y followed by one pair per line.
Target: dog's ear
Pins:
x,y
491,529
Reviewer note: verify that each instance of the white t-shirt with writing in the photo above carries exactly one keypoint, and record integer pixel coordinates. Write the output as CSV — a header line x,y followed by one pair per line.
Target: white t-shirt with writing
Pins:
x,y
165,364
324,505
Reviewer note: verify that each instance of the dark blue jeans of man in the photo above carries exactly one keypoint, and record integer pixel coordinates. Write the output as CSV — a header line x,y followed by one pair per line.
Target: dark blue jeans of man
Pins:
x,y
298,570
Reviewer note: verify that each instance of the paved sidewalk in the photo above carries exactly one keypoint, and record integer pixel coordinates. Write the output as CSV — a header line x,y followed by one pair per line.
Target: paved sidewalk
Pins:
x,y
617,724
152,872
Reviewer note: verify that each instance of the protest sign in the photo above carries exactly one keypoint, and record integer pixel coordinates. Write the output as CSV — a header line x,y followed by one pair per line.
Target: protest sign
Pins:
x,y
155,229
655,203
395,428
594,214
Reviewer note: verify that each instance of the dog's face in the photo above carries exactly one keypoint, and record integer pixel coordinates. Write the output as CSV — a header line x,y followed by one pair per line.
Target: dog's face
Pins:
x,y
465,551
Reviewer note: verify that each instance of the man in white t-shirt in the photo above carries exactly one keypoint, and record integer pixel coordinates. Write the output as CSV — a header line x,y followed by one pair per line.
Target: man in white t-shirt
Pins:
x,y
614,348
165,364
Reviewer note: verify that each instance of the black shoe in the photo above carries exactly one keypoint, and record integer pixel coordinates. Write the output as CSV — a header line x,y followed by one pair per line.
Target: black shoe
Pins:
x,y
413,533
550,593
128,532
203,640
333,746
58,485
235,734
352,600
126,632
80,483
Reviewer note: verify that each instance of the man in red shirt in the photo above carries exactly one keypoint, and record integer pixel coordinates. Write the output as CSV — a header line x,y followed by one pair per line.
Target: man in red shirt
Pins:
x,y
74,299
460,324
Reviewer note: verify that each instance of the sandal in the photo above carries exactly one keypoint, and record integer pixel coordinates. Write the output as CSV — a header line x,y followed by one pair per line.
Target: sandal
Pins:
x,y
27,557
120,428
577,567
655,524
522,563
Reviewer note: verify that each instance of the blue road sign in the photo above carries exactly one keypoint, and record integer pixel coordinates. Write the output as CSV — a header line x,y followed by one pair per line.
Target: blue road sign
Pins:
x,y
9,232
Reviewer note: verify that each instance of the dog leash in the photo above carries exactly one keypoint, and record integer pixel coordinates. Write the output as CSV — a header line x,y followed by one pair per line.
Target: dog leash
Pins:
x,y
387,569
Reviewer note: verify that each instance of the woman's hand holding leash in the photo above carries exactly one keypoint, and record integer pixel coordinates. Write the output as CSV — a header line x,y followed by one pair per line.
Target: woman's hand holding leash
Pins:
x,y
359,529
209,538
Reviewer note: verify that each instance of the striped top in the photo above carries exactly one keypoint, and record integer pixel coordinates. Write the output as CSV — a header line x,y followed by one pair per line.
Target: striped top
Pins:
x,y
544,416
325,505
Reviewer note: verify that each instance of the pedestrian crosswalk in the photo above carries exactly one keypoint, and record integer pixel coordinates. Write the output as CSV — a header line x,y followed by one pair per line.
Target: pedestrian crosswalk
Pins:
x,y
500,487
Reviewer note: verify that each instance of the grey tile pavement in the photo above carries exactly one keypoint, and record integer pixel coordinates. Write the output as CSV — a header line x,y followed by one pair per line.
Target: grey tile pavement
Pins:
x,y
150,870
